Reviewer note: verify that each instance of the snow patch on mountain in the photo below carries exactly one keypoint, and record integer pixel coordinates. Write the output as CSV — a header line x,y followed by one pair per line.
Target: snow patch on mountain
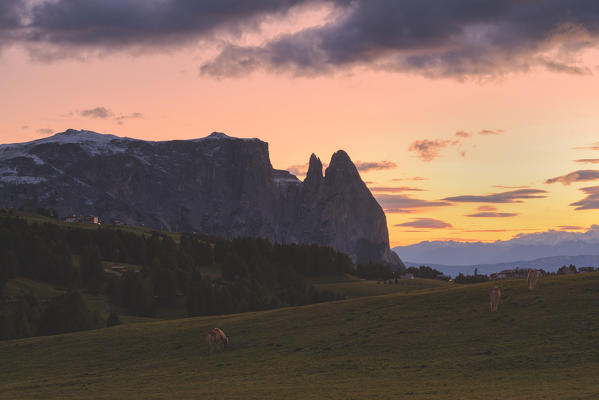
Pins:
x,y
222,136
21,180
94,143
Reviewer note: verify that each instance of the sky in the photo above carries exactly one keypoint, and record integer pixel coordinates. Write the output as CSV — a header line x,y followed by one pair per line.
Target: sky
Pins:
x,y
468,119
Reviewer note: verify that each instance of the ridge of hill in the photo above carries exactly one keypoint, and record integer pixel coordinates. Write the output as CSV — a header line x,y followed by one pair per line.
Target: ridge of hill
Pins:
x,y
524,246
548,264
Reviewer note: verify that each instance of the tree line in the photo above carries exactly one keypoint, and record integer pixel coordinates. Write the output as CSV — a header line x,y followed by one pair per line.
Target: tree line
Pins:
x,y
383,272
256,274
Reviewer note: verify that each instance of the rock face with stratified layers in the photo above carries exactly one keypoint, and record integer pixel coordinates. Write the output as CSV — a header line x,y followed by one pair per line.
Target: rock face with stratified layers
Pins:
x,y
217,185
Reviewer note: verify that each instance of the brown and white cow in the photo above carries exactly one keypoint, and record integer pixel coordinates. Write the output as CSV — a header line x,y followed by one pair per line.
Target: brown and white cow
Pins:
x,y
533,277
216,339
495,295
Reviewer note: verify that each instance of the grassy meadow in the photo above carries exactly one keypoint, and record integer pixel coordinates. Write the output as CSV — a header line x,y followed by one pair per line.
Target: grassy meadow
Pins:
x,y
428,343
350,286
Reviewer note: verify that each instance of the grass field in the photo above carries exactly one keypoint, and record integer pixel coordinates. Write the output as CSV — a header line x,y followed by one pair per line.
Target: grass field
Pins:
x,y
21,286
431,343
358,287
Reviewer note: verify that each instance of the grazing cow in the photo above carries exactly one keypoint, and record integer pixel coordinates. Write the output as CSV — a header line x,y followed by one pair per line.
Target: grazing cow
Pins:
x,y
533,276
495,295
216,339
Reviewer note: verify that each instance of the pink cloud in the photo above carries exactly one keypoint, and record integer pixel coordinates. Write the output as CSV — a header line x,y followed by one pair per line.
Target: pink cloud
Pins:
x,y
426,223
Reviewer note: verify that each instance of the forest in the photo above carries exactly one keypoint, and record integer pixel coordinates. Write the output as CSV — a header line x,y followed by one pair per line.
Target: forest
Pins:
x,y
254,274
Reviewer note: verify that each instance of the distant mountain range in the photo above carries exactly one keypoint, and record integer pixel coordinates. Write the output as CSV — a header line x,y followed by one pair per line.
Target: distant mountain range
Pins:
x,y
548,250
549,264
216,185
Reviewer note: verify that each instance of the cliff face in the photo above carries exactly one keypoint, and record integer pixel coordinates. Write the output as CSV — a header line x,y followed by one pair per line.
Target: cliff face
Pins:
x,y
338,210
215,185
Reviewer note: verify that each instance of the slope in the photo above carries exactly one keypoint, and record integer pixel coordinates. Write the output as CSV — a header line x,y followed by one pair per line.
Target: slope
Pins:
x,y
422,345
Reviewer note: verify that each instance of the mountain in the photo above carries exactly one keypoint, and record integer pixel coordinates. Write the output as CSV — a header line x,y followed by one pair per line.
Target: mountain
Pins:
x,y
217,185
549,264
522,247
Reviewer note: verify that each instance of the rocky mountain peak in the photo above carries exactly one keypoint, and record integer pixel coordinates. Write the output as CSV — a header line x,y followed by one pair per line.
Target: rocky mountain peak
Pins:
x,y
217,185
314,175
341,169
80,133
78,136
341,158
219,135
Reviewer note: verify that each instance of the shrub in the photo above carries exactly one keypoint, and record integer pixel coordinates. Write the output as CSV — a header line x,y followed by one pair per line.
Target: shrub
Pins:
x,y
68,313
461,278
113,319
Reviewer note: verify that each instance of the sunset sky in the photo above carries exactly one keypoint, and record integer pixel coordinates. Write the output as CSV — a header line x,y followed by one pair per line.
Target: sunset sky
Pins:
x,y
469,120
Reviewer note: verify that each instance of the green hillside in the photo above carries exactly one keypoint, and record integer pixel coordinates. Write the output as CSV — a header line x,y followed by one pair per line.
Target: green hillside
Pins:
x,y
424,344
57,277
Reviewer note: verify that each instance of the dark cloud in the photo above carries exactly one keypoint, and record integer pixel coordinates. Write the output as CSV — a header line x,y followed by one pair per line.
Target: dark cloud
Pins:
x,y
486,230
428,150
512,196
576,176
398,189
97,112
491,132
594,146
105,113
112,24
491,214
400,203
591,202
9,14
588,161
122,118
10,22
556,66
438,38
364,166
511,187
45,131
570,228
426,223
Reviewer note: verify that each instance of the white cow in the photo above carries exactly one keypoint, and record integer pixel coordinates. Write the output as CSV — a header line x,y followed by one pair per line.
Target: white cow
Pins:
x,y
216,339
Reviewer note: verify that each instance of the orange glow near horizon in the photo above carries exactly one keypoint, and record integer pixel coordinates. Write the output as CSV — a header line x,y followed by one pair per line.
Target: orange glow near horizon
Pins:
x,y
373,115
